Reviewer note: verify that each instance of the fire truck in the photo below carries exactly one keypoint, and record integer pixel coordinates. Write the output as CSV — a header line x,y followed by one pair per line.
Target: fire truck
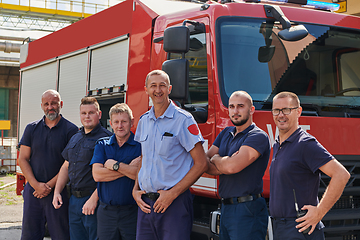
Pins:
x,y
211,49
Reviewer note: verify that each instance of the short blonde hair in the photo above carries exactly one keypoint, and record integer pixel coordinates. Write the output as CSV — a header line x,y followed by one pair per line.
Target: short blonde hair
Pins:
x,y
121,108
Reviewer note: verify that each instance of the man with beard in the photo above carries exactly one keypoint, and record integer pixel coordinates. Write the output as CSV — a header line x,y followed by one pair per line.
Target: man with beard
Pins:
x,y
240,155
40,160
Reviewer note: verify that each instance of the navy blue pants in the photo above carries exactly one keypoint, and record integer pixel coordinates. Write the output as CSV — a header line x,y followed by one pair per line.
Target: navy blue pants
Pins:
x,y
116,222
37,212
175,223
247,220
82,227
285,229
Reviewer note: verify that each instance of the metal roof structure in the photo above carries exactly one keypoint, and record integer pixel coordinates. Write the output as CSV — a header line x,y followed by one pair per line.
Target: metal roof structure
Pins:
x,y
45,15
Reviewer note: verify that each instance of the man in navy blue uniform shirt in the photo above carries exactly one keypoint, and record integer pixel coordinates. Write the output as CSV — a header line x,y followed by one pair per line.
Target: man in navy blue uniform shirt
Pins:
x,y
77,154
240,155
115,163
40,161
298,159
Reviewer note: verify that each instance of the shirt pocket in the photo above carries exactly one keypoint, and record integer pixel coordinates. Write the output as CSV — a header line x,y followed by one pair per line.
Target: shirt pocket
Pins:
x,y
70,149
167,145
89,144
87,150
144,141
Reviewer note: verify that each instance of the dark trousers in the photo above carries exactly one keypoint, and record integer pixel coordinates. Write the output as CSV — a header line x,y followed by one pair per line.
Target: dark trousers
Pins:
x,y
174,224
284,228
82,227
116,222
37,212
247,220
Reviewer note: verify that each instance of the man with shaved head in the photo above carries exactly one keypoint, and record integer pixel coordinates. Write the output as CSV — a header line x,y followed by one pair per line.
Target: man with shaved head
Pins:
x,y
240,155
40,160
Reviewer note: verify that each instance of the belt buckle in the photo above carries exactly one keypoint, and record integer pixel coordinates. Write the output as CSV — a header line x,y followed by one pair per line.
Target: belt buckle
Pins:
x,y
76,193
152,195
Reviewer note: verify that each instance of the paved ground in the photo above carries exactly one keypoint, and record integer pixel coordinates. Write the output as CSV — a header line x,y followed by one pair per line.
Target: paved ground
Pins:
x,y
11,207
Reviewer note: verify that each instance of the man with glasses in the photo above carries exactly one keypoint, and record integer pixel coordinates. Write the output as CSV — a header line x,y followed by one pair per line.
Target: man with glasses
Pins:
x,y
298,158
240,155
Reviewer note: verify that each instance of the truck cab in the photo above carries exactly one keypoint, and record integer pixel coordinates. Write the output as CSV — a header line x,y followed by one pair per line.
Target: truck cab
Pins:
x,y
211,50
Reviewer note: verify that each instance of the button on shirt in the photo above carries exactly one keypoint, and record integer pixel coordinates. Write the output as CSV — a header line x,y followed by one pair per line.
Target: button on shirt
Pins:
x,y
118,191
46,146
295,165
79,152
166,142
249,180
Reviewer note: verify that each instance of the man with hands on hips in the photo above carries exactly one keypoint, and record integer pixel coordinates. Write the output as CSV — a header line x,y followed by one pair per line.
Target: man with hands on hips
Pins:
x,y
298,158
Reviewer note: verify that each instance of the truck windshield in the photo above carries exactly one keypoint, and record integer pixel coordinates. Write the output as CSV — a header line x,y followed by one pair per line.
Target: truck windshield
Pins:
x,y
322,68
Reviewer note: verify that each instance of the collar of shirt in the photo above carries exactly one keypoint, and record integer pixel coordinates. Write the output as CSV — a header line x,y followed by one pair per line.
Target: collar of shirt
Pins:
x,y
291,138
57,125
169,112
94,131
130,141
242,132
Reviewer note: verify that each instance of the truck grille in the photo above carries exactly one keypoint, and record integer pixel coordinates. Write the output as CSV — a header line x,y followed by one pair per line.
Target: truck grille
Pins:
x,y
346,202
343,220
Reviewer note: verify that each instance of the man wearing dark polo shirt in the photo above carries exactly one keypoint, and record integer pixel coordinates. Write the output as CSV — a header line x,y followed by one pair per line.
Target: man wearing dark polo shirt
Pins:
x,y
115,163
40,161
298,159
77,154
240,155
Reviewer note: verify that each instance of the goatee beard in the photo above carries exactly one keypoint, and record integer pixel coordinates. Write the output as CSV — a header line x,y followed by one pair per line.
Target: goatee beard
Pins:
x,y
242,122
52,116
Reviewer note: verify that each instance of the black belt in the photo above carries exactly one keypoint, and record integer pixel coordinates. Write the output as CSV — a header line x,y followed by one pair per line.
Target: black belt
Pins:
x,y
233,200
152,195
80,194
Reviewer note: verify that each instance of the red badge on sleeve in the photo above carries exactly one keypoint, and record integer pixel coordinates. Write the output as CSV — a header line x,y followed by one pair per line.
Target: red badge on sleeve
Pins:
x,y
193,129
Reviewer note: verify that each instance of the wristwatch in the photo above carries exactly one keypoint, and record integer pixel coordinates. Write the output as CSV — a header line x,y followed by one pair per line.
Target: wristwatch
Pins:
x,y
116,166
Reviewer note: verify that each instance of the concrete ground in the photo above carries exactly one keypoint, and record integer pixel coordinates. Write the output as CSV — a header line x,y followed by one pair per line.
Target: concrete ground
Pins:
x,y
10,222
10,213
11,207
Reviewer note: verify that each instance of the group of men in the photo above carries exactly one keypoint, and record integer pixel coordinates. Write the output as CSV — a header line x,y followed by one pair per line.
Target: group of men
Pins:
x,y
126,186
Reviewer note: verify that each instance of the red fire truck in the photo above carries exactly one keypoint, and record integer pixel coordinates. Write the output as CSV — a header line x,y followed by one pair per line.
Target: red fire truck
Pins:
x,y
210,50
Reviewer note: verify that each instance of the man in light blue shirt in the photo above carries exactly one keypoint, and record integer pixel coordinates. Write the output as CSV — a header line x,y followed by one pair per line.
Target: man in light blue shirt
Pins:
x,y
172,160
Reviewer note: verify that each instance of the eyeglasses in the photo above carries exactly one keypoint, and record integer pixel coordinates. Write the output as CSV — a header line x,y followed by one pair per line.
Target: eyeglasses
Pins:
x,y
285,111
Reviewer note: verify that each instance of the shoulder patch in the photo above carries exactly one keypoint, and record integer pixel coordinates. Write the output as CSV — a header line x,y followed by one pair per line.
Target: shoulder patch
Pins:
x,y
105,140
193,129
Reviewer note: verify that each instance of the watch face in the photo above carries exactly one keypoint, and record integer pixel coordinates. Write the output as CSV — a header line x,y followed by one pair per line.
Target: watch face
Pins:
x,y
116,166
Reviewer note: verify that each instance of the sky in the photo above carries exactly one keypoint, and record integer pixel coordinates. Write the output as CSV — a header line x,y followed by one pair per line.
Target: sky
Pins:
x,y
22,31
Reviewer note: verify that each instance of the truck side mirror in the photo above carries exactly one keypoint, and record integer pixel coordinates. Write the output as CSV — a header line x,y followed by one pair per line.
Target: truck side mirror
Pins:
x,y
294,33
288,33
178,71
177,39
